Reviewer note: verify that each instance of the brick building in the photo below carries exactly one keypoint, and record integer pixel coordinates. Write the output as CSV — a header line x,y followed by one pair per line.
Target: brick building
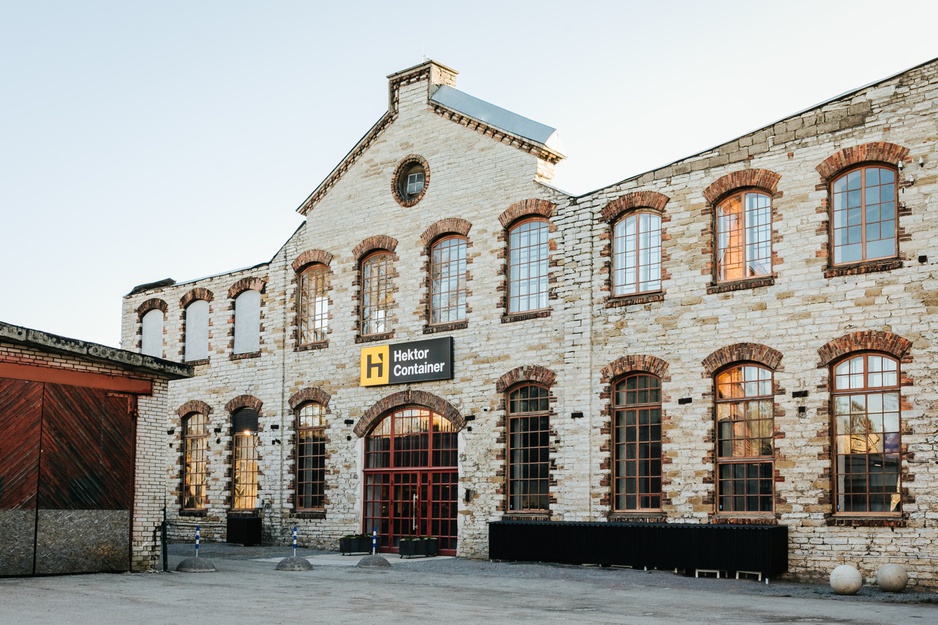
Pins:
x,y
746,335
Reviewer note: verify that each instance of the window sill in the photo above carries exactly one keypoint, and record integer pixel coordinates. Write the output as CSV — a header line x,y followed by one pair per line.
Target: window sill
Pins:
x,y
651,516
741,285
370,338
857,269
246,355
196,363
524,316
309,514
201,512
526,516
633,300
446,327
855,520
762,518
311,346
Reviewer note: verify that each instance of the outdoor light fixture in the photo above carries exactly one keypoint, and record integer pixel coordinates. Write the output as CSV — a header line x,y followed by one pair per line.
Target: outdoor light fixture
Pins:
x,y
799,393
899,165
921,161
218,430
576,415
349,422
685,400
171,431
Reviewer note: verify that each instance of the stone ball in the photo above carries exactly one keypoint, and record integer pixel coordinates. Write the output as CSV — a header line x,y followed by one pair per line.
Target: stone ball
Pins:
x,y
846,580
892,578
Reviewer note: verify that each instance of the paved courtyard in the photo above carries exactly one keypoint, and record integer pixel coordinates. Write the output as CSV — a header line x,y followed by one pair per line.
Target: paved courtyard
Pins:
x,y
246,588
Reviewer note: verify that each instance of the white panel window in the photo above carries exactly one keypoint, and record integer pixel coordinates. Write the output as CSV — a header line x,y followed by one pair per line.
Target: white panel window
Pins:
x,y
197,330
152,340
247,322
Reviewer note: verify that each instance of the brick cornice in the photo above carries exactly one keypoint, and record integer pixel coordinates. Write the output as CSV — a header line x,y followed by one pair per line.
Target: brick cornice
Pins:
x,y
311,257
153,303
379,410
246,284
198,293
864,341
639,199
194,405
451,225
877,151
309,394
244,401
525,373
742,352
527,208
758,178
377,242
632,364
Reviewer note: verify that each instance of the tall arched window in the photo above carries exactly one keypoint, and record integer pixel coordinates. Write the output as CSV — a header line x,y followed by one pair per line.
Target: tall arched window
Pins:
x,y
867,434
376,293
744,236
637,254
528,448
637,448
745,439
197,330
448,280
310,456
247,322
195,470
151,341
313,305
244,460
864,218
528,266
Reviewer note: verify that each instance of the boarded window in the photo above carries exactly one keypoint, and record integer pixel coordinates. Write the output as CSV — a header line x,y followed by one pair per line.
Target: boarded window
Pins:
x,y
152,339
247,322
197,330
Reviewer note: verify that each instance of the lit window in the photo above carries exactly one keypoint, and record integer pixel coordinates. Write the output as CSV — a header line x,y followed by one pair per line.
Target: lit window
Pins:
x,y
528,266
244,469
376,294
247,322
637,450
310,456
528,449
151,342
195,446
197,330
864,215
867,434
448,281
313,305
744,236
745,434
637,254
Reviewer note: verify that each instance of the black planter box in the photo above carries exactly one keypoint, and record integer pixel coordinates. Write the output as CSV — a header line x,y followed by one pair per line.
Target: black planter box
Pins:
x,y
418,547
244,530
355,544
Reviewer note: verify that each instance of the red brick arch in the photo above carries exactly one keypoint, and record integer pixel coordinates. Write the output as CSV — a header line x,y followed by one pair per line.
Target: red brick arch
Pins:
x,y
865,341
877,151
154,303
742,352
452,225
246,284
198,293
639,199
311,257
310,394
631,364
526,373
759,178
244,401
377,242
194,405
402,399
527,208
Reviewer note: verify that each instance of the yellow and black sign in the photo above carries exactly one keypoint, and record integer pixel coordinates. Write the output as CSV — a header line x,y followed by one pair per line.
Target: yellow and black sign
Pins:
x,y
417,361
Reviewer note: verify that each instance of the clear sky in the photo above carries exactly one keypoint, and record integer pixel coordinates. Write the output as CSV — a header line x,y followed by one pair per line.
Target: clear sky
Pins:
x,y
146,140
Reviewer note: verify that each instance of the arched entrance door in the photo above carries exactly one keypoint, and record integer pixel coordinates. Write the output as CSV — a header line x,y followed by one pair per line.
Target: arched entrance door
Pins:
x,y
411,477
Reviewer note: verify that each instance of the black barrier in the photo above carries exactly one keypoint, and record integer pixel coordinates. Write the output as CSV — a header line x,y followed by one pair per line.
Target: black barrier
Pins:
x,y
749,548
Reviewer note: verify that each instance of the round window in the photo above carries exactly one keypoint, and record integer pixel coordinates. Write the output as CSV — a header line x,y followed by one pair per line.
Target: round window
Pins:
x,y
410,180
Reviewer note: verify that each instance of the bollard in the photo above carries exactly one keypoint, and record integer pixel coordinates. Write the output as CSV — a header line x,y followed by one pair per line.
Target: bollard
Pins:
x,y
374,541
198,538
294,541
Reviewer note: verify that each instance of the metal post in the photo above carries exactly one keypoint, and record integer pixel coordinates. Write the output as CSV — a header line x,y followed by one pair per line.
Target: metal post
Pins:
x,y
294,541
198,538
374,541
163,546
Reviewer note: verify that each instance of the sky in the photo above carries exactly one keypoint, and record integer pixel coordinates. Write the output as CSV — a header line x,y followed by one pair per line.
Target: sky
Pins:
x,y
150,140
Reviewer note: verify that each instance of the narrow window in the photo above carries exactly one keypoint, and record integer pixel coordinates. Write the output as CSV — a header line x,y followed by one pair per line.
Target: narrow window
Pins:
x,y
867,434
151,343
745,431
244,469
376,294
864,218
448,281
313,305
310,456
528,449
528,266
195,445
197,330
637,408
744,236
247,322
637,254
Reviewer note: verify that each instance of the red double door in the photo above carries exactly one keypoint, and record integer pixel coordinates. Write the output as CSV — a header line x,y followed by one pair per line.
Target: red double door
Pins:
x,y
411,479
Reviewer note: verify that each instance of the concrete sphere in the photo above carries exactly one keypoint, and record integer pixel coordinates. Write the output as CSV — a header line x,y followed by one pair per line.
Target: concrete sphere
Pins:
x,y
892,578
846,580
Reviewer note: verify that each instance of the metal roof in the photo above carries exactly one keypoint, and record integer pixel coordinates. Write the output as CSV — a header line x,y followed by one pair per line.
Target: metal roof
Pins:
x,y
498,117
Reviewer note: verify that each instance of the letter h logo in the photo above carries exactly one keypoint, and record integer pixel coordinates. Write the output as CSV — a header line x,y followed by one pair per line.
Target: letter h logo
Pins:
x,y
375,362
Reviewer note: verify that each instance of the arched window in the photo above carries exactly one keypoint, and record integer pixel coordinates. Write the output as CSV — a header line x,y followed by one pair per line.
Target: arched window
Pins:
x,y
195,470
310,456
528,267
637,254
313,305
244,459
637,447
864,218
151,342
376,293
867,434
744,236
247,322
197,330
528,448
448,280
745,439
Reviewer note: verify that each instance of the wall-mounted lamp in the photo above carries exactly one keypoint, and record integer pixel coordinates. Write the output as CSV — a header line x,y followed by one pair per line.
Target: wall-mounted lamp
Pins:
x,y
899,165
349,422
910,179
470,417
923,259
276,441
921,161
467,496
218,430
685,400
799,393
171,431
274,426
576,415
